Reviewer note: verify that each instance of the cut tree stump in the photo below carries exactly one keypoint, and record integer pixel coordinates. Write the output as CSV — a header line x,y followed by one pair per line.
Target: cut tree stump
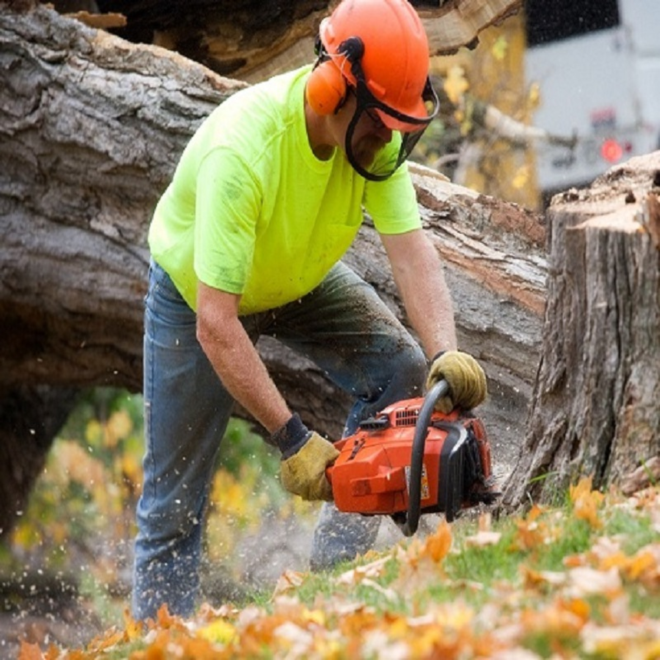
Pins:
x,y
595,410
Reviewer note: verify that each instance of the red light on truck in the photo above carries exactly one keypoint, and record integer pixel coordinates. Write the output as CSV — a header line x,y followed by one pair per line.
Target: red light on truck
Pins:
x,y
611,150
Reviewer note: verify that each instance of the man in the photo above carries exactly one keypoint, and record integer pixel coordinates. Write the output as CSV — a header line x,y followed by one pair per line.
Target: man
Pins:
x,y
247,240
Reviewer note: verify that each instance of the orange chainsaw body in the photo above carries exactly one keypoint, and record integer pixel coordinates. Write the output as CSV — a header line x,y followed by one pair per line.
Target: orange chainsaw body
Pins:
x,y
371,475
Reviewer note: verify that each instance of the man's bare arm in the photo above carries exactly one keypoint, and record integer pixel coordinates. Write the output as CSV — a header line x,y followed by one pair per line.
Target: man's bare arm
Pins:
x,y
419,276
235,359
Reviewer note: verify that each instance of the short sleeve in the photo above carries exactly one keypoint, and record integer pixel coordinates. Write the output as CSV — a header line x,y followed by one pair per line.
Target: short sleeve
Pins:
x,y
226,217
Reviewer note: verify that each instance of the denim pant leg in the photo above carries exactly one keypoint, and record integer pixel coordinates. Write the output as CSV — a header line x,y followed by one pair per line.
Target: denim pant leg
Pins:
x,y
186,413
347,330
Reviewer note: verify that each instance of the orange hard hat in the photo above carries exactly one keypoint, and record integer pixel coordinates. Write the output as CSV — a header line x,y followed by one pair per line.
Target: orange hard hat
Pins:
x,y
395,56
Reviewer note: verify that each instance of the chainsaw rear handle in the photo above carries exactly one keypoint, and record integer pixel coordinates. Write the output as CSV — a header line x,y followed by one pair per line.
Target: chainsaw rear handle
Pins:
x,y
408,525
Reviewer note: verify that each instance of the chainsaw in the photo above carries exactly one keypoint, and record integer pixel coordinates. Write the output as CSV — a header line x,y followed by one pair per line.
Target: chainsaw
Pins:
x,y
410,459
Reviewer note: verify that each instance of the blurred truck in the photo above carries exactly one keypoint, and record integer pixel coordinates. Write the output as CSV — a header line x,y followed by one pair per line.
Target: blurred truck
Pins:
x,y
597,64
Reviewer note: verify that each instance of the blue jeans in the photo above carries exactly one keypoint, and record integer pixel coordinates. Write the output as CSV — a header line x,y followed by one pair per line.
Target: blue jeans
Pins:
x,y
342,326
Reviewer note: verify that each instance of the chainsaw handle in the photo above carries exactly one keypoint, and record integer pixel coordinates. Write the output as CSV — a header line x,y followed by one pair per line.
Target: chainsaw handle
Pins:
x,y
409,525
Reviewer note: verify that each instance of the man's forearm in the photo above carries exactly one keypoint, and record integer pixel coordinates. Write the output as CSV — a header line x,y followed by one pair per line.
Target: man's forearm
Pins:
x,y
244,375
421,282
236,360
430,310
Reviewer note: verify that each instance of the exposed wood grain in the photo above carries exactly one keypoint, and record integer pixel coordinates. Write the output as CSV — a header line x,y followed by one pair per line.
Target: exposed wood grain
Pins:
x,y
231,38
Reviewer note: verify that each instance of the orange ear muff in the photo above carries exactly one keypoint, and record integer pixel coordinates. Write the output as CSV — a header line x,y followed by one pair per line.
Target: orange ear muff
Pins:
x,y
326,88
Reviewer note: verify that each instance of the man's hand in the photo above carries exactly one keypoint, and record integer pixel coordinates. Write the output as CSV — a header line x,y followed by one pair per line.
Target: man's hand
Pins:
x,y
465,377
304,473
305,457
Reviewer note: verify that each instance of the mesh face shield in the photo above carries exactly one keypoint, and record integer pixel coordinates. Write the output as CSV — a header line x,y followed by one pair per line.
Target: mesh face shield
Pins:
x,y
408,131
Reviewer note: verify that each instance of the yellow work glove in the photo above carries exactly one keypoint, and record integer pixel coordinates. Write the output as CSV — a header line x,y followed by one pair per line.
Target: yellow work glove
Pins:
x,y
304,473
465,377
305,457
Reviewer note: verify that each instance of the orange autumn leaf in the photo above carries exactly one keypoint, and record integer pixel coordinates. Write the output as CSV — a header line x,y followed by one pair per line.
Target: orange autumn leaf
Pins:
x,y
30,652
532,530
582,488
541,579
53,653
133,629
644,566
107,641
529,534
289,581
438,545
586,502
166,620
554,619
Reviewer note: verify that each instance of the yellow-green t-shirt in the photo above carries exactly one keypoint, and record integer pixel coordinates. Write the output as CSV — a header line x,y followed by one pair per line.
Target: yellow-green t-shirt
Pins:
x,y
251,211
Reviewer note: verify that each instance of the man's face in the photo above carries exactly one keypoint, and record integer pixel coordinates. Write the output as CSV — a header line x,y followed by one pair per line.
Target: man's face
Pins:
x,y
370,134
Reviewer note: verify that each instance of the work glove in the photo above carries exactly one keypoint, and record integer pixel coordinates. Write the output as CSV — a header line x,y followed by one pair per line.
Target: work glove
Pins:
x,y
305,458
465,377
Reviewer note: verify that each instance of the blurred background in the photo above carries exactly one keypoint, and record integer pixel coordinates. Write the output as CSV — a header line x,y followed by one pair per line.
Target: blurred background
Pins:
x,y
550,99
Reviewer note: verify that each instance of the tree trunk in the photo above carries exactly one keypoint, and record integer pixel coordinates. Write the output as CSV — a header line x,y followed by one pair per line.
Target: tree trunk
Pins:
x,y
91,128
596,404
29,419
91,131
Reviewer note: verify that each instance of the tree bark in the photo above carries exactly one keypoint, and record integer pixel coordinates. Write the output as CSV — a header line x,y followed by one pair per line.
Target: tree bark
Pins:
x,y
595,409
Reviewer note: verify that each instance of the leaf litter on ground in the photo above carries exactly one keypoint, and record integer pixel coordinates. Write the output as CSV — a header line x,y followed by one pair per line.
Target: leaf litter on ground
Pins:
x,y
578,581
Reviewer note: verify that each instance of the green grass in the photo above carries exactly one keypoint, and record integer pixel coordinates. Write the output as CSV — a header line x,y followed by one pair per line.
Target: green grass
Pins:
x,y
523,579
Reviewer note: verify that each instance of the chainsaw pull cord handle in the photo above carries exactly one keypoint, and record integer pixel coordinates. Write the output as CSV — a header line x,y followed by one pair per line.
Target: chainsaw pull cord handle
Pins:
x,y
437,391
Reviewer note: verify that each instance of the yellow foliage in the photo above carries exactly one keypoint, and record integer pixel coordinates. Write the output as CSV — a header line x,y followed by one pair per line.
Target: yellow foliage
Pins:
x,y
229,495
533,96
456,84
218,631
500,48
522,177
117,428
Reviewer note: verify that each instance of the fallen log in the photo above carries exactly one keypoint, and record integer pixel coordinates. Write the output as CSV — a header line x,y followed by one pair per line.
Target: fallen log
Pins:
x,y
90,130
90,133
237,39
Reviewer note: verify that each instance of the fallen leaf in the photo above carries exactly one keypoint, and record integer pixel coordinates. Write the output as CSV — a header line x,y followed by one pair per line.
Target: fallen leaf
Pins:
x,y
586,502
482,539
437,545
218,632
371,570
591,581
288,581
540,579
30,652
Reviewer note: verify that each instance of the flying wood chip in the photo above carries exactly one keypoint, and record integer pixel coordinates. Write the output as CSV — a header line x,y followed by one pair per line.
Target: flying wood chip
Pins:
x,y
99,21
